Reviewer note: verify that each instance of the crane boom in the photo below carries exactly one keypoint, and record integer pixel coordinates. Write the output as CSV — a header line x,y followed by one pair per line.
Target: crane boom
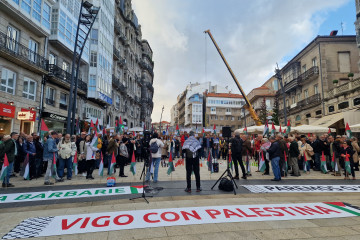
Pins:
x,y
248,106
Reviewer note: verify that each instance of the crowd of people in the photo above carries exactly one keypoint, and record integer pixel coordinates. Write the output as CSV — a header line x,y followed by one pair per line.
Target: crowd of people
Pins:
x,y
285,153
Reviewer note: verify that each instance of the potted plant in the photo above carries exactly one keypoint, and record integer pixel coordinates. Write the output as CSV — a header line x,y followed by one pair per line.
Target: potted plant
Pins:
x,y
335,82
351,75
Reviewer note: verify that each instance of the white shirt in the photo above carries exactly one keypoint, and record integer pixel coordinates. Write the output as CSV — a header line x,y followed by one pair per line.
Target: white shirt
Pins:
x,y
160,145
90,151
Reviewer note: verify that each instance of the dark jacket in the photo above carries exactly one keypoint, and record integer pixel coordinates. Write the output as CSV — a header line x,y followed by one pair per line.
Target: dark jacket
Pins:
x,y
316,146
274,150
246,148
39,149
236,146
177,145
112,147
294,149
336,148
283,148
9,149
349,150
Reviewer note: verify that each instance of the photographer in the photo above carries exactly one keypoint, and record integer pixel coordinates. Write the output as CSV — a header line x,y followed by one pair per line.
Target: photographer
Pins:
x,y
191,148
236,151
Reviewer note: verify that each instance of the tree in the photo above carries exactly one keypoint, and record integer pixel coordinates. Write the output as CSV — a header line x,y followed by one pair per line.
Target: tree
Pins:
x,y
263,112
275,115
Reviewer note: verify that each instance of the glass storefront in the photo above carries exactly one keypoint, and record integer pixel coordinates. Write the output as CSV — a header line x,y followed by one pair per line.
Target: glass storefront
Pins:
x,y
5,125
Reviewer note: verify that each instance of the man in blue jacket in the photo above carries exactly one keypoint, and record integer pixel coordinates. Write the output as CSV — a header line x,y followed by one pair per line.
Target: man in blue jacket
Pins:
x,y
274,154
50,150
29,148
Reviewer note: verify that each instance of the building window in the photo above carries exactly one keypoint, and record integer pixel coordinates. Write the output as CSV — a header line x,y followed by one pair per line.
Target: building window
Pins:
x,y
316,91
314,62
299,97
228,110
356,101
63,101
33,48
308,115
26,5
92,83
50,96
306,94
232,118
36,10
94,36
46,16
221,118
343,105
13,34
93,59
331,108
293,100
213,109
8,81
52,58
29,91
344,62
318,112
117,102
304,68
287,102
65,66
298,118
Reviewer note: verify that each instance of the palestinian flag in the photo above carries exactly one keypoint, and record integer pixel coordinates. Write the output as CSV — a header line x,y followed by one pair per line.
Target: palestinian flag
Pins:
x,y
116,126
179,162
112,164
43,129
136,189
133,164
231,163
214,128
95,141
280,130
203,130
329,132
262,166
177,130
171,165
54,168
4,168
309,135
286,163
97,126
121,126
347,164
209,163
27,168
323,163
245,130
92,127
75,164
273,130
266,129
288,128
348,131
333,162
101,166
306,164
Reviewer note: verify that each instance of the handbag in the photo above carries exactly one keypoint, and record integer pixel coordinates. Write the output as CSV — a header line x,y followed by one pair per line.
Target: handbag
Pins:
x,y
310,152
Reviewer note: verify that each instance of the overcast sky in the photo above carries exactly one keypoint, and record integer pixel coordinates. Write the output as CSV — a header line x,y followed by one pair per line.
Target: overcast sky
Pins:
x,y
252,34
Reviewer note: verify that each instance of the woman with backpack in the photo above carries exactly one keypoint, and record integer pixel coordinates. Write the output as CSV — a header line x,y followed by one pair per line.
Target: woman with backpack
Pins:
x,y
124,155
156,146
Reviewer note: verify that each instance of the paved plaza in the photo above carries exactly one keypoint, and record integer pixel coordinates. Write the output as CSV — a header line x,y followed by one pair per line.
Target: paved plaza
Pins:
x,y
173,196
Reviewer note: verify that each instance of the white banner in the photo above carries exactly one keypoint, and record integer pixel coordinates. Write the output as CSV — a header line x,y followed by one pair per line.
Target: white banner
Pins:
x,y
67,194
113,221
301,188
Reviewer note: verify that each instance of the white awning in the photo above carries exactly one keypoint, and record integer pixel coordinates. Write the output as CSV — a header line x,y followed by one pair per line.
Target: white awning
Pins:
x,y
329,120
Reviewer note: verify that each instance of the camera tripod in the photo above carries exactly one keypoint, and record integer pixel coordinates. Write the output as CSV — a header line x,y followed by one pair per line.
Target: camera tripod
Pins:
x,y
143,175
228,174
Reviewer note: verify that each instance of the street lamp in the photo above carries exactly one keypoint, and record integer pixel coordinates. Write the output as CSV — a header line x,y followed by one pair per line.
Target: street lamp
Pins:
x,y
279,78
87,16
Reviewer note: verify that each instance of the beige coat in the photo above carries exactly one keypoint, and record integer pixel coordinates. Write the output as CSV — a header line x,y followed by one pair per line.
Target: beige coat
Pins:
x,y
356,148
305,149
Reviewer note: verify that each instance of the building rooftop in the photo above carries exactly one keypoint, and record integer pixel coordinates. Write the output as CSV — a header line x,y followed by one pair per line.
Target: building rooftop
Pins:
x,y
224,95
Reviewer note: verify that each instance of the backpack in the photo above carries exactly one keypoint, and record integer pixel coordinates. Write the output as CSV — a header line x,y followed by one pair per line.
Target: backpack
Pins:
x,y
226,185
154,148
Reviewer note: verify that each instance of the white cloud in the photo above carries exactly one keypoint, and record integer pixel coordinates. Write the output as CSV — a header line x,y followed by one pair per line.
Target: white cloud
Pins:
x,y
253,35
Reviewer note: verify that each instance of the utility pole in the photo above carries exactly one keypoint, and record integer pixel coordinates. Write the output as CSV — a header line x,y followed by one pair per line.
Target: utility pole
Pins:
x,y
279,78
161,118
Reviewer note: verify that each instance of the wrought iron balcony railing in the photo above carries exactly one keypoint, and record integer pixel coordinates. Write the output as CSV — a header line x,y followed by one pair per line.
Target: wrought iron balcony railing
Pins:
x,y
16,49
64,76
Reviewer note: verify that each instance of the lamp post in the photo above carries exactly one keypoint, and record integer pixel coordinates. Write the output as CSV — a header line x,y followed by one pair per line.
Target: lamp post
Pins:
x,y
87,16
279,78
161,118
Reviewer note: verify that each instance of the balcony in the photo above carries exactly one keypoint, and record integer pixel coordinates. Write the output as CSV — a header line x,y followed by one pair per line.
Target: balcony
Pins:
x,y
122,61
118,84
146,66
309,102
21,55
122,37
116,53
117,27
64,78
308,75
343,89
292,85
49,101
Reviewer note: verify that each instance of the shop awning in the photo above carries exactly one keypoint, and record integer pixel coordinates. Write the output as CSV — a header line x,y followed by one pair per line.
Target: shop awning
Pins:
x,y
329,120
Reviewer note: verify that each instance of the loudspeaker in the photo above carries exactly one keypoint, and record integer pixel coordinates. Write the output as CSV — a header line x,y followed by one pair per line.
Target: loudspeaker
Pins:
x,y
226,132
